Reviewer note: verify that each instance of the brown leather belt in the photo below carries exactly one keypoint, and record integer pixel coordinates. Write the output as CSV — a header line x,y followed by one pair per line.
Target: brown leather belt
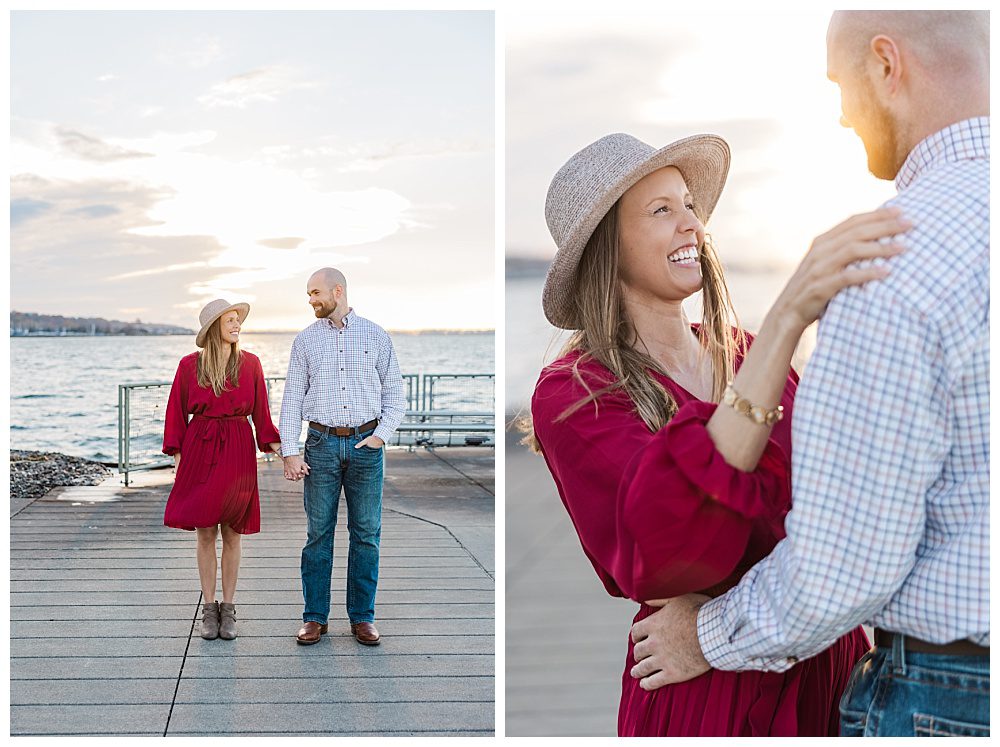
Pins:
x,y
343,430
964,647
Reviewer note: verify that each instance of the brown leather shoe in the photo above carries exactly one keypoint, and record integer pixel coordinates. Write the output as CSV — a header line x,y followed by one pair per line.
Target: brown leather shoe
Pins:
x,y
365,633
310,632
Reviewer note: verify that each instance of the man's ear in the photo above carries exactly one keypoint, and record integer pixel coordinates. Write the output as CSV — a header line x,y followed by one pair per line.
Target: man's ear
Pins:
x,y
889,73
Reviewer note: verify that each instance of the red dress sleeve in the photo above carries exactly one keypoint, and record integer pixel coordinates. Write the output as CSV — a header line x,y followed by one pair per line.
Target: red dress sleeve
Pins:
x,y
262,424
657,514
175,420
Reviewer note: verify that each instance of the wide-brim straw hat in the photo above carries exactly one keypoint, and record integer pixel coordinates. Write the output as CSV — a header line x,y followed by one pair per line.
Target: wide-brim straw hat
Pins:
x,y
212,311
584,189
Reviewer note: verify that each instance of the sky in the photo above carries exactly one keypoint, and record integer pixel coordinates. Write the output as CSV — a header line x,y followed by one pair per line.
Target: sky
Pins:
x,y
160,160
756,77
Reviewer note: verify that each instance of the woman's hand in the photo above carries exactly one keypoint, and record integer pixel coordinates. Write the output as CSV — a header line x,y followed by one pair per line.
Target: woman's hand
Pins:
x,y
827,267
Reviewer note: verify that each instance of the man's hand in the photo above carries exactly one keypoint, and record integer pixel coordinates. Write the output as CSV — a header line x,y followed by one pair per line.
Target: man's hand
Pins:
x,y
372,442
295,467
666,643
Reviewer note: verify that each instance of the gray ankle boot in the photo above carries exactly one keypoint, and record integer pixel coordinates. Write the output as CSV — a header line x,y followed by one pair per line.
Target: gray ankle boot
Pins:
x,y
227,626
210,621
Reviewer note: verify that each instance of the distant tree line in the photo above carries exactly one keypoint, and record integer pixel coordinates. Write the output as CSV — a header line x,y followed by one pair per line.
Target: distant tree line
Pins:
x,y
24,324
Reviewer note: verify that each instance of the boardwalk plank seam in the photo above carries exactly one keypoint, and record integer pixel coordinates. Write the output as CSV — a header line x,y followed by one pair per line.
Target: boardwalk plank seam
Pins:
x,y
457,540
180,673
467,477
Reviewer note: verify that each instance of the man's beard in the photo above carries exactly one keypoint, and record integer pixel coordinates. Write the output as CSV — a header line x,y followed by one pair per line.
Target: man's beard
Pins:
x,y
324,310
881,138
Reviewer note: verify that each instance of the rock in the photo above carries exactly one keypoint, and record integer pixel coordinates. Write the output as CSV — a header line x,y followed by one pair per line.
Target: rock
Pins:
x,y
34,473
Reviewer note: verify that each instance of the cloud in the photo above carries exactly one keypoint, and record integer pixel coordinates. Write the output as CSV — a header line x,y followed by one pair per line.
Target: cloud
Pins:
x,y
96,211
156,271
24,209
374,156
93,149
266,84
290,242
107,77
200,52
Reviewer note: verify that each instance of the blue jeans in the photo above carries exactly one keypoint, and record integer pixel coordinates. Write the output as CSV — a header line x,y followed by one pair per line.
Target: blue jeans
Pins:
x,y
894,692
334,463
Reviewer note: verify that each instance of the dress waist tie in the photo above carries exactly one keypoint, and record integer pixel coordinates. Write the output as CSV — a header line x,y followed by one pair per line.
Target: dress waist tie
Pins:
x,y
215,434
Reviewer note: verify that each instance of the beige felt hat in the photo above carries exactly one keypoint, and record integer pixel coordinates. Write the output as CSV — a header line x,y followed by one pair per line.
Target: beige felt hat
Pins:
x,y
212,311
584,189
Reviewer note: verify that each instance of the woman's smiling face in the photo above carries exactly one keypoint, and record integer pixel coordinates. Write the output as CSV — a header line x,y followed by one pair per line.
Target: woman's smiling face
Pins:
x,y
660,239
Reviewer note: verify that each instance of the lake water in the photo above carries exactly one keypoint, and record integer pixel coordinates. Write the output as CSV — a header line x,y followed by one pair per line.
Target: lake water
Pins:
x,y
531,342
64,390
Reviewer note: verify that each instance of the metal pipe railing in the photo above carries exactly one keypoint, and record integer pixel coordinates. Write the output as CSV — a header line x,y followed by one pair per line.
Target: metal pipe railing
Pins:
x,y
442,410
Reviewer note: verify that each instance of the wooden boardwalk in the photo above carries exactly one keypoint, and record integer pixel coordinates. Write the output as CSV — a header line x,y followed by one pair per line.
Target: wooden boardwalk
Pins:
x,y
566,639
105,614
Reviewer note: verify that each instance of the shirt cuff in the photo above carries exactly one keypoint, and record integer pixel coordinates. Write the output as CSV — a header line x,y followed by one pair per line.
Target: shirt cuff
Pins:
x,y
717,645
383,432
291,450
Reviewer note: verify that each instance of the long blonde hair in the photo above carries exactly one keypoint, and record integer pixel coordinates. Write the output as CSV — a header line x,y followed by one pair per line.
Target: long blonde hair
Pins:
x,y
606,333
214,369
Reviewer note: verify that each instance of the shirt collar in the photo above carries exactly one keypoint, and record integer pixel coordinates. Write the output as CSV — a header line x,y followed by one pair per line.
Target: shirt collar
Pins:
x,y
962,141
348,319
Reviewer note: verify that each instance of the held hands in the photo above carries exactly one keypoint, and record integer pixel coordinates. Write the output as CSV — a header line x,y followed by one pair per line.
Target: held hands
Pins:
x,y
666,643
295,467
827,267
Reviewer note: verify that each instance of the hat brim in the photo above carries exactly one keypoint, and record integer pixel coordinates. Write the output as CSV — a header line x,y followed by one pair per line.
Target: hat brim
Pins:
x,y
242,310
703,160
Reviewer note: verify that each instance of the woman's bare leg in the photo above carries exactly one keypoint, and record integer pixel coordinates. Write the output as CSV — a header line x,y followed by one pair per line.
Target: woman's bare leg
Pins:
x,y
207,562
231,554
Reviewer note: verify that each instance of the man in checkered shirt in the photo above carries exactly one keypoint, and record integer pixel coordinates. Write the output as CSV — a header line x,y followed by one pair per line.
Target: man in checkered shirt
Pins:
x,y
890,474
343,379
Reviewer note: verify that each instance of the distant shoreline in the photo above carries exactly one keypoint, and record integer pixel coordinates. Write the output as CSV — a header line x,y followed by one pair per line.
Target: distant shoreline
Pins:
x,y
106,334
254,332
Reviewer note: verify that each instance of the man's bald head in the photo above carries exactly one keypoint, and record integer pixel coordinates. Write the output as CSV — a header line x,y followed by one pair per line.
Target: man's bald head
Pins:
x,y
327,278
948,42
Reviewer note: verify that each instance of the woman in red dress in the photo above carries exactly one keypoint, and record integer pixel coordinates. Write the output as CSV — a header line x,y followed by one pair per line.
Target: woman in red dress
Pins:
x,y
670,442
216,481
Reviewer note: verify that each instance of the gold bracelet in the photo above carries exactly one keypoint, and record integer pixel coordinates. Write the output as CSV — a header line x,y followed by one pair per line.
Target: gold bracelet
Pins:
x,y
755,412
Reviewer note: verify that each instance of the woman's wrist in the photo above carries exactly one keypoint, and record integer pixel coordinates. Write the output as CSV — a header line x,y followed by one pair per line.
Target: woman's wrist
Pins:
x,y
783,323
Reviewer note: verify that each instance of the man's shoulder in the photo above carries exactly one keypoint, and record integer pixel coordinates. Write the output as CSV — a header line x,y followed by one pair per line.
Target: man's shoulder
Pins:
x,y
370,326
309,331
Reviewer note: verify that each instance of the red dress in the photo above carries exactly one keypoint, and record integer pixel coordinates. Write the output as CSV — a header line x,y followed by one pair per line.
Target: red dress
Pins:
x,y
662,514
216,482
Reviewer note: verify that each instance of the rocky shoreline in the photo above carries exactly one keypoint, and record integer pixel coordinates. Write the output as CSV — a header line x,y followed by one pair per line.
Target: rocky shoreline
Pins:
x,y
34,473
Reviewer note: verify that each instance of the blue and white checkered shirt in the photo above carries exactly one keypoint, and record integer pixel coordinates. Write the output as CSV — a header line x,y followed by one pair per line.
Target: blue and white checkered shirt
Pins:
x,y
890,471
341,377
